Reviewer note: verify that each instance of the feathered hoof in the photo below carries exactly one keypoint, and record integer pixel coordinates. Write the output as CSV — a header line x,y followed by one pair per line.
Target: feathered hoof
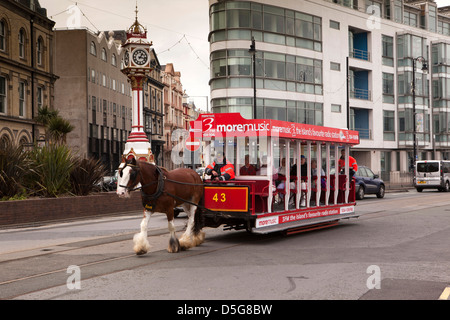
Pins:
x,y
200,238
140,252
186,243
174,245
141,245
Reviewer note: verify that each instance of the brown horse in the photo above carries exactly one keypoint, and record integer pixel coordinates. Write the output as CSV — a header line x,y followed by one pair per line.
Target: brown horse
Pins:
x,y
162,191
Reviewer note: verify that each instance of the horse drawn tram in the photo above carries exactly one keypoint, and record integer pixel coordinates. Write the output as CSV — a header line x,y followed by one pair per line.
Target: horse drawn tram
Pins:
x,y
286,175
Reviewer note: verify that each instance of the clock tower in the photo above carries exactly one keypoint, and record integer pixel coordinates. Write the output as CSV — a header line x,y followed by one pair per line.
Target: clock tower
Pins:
x,y
136,66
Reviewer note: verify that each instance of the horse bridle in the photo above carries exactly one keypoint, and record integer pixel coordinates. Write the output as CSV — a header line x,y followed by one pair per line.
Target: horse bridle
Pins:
x,y
160,182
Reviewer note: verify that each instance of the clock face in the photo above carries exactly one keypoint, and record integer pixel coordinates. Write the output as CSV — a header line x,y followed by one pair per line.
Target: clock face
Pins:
x,y
140,57
126,58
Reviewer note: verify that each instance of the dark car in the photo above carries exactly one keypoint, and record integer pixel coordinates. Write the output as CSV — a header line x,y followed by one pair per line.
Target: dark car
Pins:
x,y
368,183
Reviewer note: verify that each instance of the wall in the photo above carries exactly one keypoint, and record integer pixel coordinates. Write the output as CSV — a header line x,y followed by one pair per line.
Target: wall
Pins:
x,y
36,211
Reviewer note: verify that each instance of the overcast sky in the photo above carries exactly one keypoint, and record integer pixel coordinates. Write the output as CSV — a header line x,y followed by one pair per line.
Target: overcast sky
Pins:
x,y
178,28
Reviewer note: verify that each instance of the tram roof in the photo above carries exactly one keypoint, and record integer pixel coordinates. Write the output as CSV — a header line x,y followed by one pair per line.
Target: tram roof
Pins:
x,y
234,125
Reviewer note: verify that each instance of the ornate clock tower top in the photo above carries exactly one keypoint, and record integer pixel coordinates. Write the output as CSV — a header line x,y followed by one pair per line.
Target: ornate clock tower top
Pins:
x,y
137,60
136,66
137,30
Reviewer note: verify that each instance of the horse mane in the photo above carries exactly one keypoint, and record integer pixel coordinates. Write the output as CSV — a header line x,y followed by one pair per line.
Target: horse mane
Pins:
x,y
147,163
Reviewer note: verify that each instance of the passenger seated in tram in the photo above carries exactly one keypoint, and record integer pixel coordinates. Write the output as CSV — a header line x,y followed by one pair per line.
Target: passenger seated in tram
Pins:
x,y
281,182
303,168
221,169
247,169
314,170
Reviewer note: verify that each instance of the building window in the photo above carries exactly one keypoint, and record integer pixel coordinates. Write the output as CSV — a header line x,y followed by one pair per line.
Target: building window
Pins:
x,y
410,19
336,108
388,50
22,92
432,18
335,25
93,49
40,97
388,125
3,33
301,74
40,48
3,86
335,66
104,55
388,88
114,60
22,43
242,20
410,46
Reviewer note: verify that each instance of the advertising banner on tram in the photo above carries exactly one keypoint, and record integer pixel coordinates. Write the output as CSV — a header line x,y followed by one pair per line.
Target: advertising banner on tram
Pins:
x,y
234,125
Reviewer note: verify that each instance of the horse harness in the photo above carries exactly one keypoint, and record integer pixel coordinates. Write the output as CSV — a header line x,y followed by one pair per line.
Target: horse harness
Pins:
x,y
148,200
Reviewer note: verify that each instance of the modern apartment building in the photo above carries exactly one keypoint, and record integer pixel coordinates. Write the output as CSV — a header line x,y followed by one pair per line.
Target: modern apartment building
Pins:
x,y
340,63
27,76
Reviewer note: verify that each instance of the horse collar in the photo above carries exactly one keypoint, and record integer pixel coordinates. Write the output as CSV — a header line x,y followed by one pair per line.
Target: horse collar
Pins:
x,y
159,188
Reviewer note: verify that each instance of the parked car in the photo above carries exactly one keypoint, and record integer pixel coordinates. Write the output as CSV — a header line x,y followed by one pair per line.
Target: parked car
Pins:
x,y
109,183
368,183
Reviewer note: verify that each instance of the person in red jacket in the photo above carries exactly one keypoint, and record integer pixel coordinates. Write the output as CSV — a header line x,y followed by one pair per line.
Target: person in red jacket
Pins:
x,y
353,166
221,169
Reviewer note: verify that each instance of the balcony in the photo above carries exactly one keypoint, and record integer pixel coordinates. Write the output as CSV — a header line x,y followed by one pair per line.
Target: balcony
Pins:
x,y
360,54
359,84
362,94
364,133
359,44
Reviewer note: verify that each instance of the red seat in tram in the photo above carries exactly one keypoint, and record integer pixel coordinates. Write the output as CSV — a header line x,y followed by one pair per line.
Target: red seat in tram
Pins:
x,y
341,185
261,195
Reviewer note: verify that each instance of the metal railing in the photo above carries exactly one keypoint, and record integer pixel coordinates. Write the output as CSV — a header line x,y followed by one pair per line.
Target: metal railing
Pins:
x,y
358,93
360,54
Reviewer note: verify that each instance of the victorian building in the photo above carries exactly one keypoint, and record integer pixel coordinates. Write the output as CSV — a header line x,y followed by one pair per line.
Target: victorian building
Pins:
x,y
93,94
154,111
174,120
27,77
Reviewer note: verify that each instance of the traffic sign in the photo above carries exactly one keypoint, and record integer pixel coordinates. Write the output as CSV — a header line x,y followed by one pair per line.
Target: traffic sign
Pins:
x,y
192,144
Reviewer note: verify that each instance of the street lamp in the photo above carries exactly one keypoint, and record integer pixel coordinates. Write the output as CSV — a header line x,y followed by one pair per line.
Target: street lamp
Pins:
x,y
252,51
425,70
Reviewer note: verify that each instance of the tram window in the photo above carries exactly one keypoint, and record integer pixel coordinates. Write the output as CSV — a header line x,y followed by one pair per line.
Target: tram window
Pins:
x,y
262,171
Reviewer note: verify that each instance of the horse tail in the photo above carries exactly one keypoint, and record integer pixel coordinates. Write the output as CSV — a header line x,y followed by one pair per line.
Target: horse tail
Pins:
x,y
199,221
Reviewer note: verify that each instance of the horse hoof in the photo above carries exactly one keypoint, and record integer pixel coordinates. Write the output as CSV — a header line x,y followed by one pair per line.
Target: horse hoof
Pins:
x,y
141,252
186,243
174,246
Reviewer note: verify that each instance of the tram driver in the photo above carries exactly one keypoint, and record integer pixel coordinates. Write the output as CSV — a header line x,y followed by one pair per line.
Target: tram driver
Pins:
x,y
353,166
221,169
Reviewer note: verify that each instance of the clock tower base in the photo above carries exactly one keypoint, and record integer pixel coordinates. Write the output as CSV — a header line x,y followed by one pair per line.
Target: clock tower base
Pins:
x,y
140,151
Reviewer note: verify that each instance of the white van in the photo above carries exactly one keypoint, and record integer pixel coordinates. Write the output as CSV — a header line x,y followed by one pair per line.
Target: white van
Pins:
x,y
432,174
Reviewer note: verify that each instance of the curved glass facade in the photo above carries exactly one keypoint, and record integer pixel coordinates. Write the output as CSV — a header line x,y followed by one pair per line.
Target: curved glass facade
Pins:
x,y
239,20
232,68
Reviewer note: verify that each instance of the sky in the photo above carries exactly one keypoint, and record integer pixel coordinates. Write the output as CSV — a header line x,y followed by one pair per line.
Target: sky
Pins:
x,y
178,29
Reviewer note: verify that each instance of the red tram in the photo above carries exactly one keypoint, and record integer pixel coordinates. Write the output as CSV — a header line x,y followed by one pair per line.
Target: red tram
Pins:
x,y
278,197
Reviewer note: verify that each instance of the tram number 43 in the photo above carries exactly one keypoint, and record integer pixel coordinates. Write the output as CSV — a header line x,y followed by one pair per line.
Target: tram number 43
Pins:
x,y
219,197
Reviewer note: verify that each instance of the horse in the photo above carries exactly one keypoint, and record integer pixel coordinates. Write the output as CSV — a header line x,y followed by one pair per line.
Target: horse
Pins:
x,y
162,191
